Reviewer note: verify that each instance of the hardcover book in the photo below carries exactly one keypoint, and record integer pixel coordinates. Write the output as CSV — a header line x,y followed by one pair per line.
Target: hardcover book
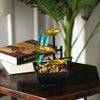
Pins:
x,y
17,69
19,53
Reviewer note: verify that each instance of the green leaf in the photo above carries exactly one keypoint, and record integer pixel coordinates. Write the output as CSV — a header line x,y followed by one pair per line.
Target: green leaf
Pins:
x,y
72,4
81,4
90,9
95,30
89,5
53,8
79,34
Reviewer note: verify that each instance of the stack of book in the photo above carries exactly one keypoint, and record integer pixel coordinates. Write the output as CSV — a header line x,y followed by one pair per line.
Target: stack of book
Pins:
x,y
18,58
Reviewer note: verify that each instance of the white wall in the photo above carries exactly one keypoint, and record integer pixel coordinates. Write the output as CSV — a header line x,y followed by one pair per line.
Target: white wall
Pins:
x,y
23,30
23,26
93,48
3,32
22,22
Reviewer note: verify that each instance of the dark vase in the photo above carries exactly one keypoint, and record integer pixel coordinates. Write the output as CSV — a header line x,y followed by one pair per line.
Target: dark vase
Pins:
x,y
50,79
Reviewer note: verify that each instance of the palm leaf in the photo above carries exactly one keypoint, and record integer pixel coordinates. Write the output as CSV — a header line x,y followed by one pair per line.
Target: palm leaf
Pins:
x,y
90,9
72,4
51,7
89,5
80,4
95,30
79,34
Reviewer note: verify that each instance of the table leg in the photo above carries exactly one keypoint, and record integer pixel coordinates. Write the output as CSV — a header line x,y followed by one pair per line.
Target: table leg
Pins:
x,y
13,98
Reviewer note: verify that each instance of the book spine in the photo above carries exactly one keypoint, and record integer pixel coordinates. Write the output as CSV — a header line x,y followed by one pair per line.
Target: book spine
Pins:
x,y
27,59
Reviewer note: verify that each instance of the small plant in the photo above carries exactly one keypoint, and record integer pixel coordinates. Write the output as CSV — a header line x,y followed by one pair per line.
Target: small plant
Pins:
x,y
58,9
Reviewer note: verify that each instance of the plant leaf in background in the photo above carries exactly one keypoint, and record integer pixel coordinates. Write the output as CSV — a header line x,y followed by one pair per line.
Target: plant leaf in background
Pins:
x,y
43,41
89,5
90,9
58,9
94,31
53,8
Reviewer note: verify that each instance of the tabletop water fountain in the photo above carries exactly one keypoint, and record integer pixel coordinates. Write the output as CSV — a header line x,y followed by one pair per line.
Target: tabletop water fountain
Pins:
x,y
51,71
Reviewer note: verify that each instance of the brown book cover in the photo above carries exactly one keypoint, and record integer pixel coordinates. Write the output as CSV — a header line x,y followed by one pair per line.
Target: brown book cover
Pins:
x,y
19,53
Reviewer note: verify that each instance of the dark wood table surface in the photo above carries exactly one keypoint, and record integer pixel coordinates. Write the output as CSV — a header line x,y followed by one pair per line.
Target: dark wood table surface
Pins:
x,y
83,81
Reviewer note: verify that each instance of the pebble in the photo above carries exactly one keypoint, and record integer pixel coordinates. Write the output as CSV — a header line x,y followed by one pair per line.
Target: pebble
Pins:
x,y
49,68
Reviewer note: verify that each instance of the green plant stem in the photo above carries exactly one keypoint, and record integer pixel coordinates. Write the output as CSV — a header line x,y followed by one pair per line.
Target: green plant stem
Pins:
x,y
69,28
68,34
95,30
79,34
64,27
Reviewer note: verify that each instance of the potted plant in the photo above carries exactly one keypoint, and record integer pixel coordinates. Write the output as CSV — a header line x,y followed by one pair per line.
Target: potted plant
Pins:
x,y
58,9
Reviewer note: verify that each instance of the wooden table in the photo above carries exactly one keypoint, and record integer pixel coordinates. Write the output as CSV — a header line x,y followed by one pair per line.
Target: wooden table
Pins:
x,y
83,81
